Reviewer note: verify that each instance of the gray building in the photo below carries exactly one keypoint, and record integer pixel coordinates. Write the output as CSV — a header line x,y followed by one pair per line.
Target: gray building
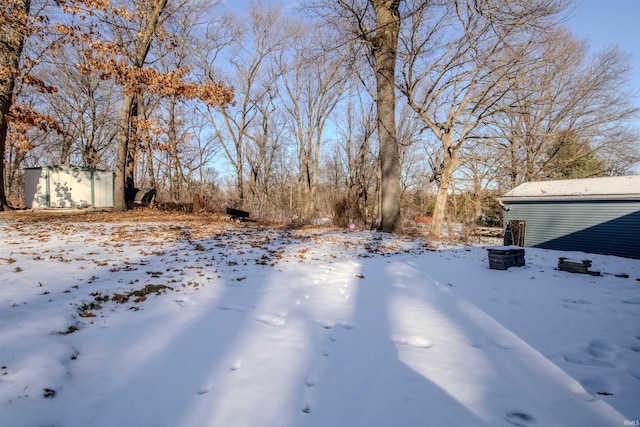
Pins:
x,y
67,187
595,215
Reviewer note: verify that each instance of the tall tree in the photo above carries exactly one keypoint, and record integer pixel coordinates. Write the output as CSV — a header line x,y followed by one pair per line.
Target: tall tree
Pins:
x,y
563,91
14,19
22,21
142,45
356,157
263,145
82,107
376,25
458,60
251,46
313,81
384,47
128,33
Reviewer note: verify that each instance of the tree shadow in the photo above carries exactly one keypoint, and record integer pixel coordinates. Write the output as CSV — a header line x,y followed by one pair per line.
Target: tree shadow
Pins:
x,y
305,339
363,381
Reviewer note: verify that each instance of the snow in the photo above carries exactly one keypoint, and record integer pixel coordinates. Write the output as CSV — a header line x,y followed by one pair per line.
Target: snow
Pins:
x,y
607,187
271,327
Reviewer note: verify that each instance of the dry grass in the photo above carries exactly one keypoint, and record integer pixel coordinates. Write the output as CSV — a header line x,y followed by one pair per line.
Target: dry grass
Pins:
x,y
187,225
91,215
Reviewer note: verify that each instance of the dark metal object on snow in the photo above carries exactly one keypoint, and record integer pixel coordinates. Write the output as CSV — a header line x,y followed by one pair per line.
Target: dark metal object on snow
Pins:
x,y
503,258
572,266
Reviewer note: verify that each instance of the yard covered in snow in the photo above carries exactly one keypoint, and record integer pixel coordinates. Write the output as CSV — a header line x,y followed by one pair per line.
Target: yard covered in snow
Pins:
x,y
207,323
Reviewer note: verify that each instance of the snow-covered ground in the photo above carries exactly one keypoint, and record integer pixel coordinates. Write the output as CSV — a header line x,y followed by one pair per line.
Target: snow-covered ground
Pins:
x,y
265,327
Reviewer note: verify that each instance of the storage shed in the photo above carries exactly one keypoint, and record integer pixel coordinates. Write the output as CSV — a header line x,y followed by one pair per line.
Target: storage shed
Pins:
x,y
595,215
67,187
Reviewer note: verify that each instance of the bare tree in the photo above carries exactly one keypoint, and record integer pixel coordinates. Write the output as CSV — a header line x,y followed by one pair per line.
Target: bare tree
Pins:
x,y
251,44
562,96
185,38
263,146
122,54
140,50
354,160
313,81
458,60
481,170
82,106
375,24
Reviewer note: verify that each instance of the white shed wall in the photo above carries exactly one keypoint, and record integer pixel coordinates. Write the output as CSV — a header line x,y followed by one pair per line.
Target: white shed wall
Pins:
x,y
103,189
35,189
67,187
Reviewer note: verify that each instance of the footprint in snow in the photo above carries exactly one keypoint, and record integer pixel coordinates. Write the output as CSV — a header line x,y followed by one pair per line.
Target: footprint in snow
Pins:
x,y
572,303
204,390
185,303
602,349
412,341
520,419
598,353
504,344
271,319
230,308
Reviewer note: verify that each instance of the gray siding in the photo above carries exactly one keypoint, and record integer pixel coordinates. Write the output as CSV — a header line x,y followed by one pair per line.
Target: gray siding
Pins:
x,y
605,227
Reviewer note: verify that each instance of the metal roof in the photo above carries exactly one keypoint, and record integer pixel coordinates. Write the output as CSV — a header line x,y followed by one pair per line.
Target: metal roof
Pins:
x,y
64,168
609,188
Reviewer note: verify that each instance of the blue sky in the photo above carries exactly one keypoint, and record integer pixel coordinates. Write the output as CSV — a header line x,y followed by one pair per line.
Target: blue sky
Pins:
x,y
610,22
602,22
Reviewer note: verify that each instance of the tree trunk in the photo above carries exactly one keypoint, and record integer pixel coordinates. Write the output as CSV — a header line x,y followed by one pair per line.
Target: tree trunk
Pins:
x,y
513,165
142,110
132,148
449,167
119,184
11,44
385,45
174,168
142,50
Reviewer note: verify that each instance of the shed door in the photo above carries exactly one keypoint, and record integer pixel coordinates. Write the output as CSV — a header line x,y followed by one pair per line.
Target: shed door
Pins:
x,y
515,232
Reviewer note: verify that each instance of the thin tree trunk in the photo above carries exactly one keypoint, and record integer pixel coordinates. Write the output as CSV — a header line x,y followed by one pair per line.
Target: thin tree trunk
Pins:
x,y
513,151
132,148
142,111
173,147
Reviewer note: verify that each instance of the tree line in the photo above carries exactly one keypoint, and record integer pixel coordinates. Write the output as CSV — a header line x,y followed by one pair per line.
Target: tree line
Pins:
x,y
358,110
